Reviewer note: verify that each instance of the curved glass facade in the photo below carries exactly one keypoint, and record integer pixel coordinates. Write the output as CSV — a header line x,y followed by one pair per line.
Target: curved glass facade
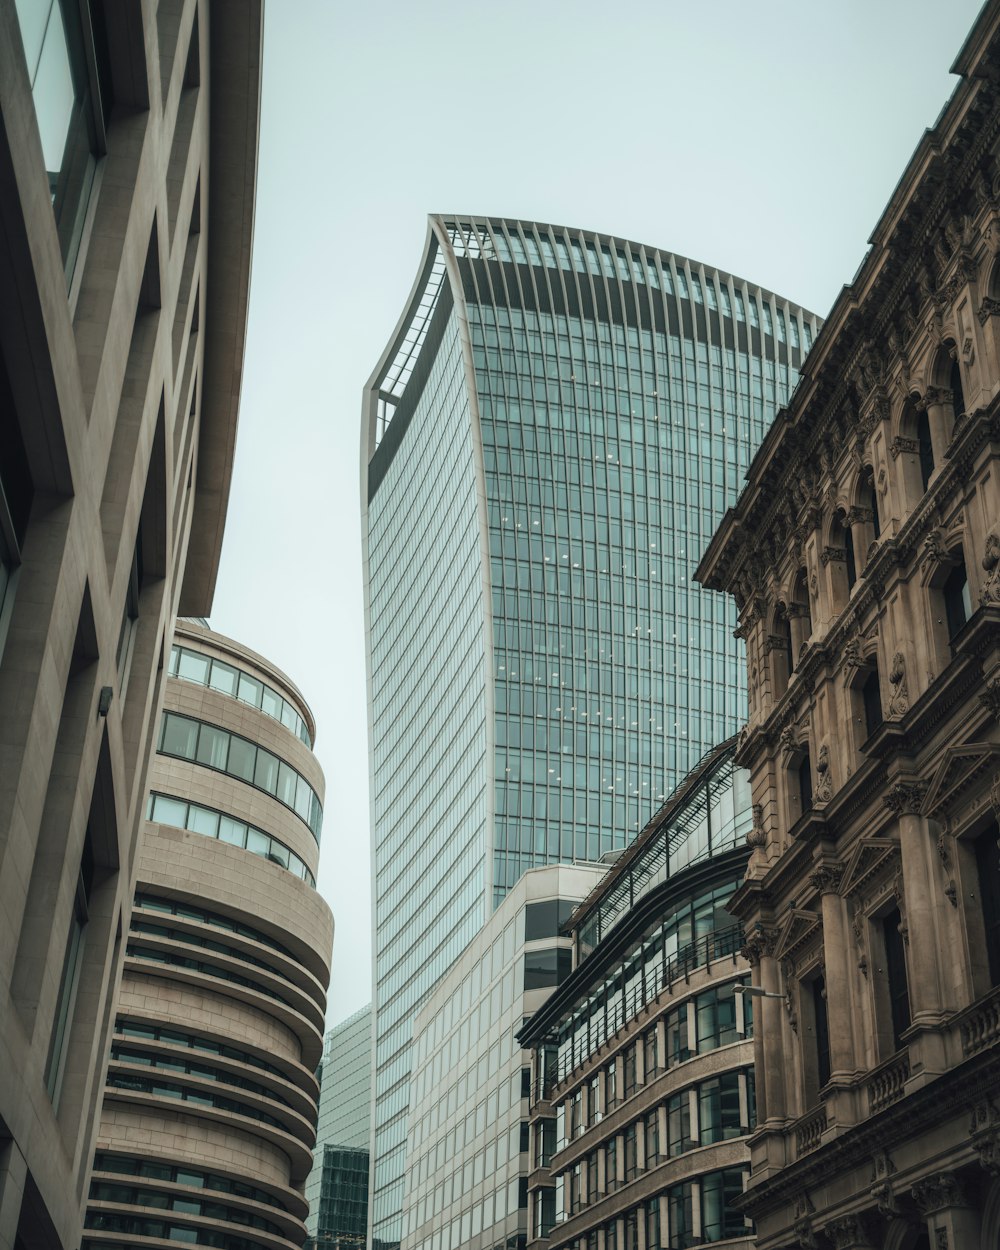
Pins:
x,y
606,401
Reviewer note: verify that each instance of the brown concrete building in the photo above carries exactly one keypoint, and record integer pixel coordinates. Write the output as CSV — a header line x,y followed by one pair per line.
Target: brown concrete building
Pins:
x,y
643,1081
864,556
128,145
210,1107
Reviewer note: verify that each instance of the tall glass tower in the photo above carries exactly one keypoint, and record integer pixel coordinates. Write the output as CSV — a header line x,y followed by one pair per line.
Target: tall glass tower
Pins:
x,y
548,443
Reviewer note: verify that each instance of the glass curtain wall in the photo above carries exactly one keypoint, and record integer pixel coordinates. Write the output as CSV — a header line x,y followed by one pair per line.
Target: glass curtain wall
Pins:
x,y
549,441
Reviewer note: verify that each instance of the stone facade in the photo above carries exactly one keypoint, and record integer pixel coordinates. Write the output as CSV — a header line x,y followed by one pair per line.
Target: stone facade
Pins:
x,y
863,557
643,1089
210,1105
128,144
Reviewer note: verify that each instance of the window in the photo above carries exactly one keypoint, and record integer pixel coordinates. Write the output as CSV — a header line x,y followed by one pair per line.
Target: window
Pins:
x,y
631,1070
871,501
677,1036
805,784
594,1100
545,1210
895,960
545,919
650,1065
988,865
955,382
611,1164
653,1224
190,739
718,1192
652,1141
631,1153
715,1018
821,1031
592,1177
575,1106
680,1217
678,1124
632,1230
547,967
957,600
719,1109
871,698
545,1142
611,1085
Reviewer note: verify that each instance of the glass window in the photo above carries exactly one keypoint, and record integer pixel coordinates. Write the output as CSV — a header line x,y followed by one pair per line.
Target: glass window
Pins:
x,y
718,1191
251,690
167,811
546,967
192,666
213,747
232,831
545,919
203,820
242,757
224,677
266,771
179,736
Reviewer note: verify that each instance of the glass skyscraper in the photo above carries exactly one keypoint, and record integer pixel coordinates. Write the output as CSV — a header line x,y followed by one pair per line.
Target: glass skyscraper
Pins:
x,y
548,442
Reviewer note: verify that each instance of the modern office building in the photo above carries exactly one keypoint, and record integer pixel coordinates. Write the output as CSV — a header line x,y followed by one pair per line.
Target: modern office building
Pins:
x,y
556,425
643,1078
210,1103
467,1156
337,1188
864,557
128,152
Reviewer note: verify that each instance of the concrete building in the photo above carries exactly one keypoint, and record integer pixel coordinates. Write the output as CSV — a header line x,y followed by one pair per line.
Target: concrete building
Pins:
x,y
128,148
643,1079
864,558
209,1114
337,1189
467,1154
555,427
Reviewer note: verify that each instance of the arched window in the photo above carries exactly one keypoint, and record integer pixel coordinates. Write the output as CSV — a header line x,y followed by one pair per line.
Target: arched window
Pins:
x,y
957,599
925,449
955,383
871,698
785,623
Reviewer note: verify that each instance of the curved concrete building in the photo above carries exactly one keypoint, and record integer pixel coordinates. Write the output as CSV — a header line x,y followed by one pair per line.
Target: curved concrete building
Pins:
x,y
210,1106
555,427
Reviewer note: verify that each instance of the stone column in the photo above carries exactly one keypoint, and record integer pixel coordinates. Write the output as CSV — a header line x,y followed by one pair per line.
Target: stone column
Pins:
x,y
953,1223
769,1023
837,950
13,1173
916,848
938,402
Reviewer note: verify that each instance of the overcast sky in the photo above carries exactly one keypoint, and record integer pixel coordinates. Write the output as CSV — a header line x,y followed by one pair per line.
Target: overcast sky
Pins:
x,y
763,138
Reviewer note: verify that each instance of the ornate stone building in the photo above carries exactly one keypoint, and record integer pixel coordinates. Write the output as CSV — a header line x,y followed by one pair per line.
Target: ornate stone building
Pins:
x,y
864,557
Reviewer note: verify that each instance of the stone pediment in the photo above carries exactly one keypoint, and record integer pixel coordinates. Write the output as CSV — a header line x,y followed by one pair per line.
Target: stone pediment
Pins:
x,y
959,769
798,927
868,857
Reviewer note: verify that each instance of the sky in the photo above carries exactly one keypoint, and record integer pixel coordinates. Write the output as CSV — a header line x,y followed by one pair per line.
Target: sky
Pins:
x,y
762,138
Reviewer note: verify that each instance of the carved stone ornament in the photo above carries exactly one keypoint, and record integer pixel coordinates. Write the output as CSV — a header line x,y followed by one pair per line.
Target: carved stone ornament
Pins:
x,y
826,878
905,798
804,1209
936,544
899,703
859,516
759,943
813,584
988,308
853,657
881,1185
984,1132
903,446
989,697
849,1232
883,482
757,834
939,1192
935,395
834,555
995,795
990,592
824,780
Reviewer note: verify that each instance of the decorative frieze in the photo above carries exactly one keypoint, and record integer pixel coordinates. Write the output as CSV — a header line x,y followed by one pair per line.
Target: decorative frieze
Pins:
x,y
984,1133
989,697
988,308
760,943
833,555
826,878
